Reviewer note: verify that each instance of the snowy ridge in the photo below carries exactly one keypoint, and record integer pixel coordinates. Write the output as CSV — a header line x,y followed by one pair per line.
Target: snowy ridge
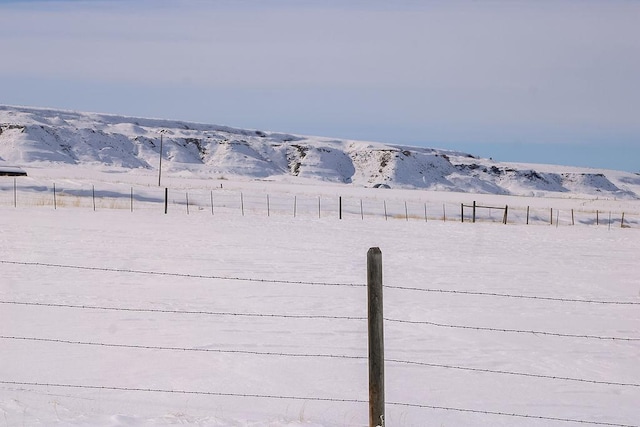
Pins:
x,y
30,135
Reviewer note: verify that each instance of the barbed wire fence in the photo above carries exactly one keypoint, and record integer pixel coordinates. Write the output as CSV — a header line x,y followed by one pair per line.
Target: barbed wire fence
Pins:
x,y
633,386
380,204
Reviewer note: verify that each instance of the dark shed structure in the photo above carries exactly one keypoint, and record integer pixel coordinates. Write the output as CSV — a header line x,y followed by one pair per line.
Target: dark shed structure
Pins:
x,y
11,171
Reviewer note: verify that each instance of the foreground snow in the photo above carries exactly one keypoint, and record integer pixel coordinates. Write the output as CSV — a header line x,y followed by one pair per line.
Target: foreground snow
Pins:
x,y
244,356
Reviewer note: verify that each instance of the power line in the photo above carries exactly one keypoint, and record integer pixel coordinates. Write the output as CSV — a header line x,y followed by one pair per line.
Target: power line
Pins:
x,y
185,275
503,295
317,399
197,312
518,331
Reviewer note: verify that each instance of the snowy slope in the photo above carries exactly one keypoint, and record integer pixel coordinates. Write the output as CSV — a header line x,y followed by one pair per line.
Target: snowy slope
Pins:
x,y
30,136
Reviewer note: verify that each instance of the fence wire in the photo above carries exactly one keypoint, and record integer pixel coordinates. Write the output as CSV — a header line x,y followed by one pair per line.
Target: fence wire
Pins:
x,y
194,312
503,295
319,355
315,283
515,331
315,399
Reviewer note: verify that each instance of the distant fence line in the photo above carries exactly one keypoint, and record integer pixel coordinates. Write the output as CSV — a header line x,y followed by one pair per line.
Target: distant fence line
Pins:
x,y
220,201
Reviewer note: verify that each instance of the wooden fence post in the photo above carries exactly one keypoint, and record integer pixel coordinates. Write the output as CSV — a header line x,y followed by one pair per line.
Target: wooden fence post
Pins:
x,y
187,198
573,222
551,216
474,212
340,207
527,215
242,203
131,199
166,199
55,204
268,206
506,214
376,337
462,212
597,217
622,221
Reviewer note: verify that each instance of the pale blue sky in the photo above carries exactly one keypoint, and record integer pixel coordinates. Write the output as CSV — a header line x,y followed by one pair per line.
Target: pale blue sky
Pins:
x,y
554,81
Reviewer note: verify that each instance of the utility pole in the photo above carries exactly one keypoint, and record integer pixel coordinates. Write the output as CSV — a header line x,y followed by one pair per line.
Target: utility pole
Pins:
x,y
160,165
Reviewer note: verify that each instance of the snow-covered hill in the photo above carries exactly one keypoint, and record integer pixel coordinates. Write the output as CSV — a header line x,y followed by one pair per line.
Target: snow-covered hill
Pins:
x,y
30,136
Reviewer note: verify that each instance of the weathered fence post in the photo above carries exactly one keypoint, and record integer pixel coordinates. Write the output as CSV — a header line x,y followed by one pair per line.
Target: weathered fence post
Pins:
x,y
242,203
187,198
573,222
55,204
376,337
166,199
527,215
385,209
319,206
551,216
268,206
131,199
462,212
340,207
425,212
474,212
506,214
622,221
406,211
597,217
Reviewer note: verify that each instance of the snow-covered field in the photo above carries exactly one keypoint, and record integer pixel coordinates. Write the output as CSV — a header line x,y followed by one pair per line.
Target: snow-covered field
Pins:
x,y
119,318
